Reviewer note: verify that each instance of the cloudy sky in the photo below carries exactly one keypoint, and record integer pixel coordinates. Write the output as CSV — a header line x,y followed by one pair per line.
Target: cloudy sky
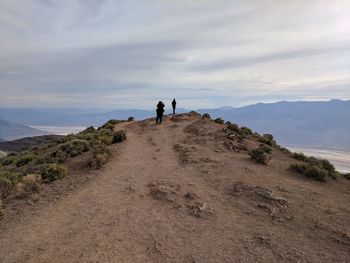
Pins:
x,y
205,53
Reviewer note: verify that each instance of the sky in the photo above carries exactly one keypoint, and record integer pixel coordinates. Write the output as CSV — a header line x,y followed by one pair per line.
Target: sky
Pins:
x,y
204,53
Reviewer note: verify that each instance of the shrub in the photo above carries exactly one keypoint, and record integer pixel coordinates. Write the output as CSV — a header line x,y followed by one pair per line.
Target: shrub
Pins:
x,y
325,164
52,172
8,180
109,125
119,136
100,156
25,159
299,168
300,156
206,116
313,171
59,156
233,127
259,156
265,148
219,120
316,173
347,176
244,132
90,129
131,118
267,139
75,147
32,183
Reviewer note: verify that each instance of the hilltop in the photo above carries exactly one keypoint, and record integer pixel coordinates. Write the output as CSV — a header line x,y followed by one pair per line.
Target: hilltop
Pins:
x,y
189,190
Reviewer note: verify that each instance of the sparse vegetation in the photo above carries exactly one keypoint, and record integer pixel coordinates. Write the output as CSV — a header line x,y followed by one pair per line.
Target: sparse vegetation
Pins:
x,y
219,120
265,148
259,156
206,116
232,127
315,168
131,118
267,139
119,136
8,181
244,132
52,172
100,156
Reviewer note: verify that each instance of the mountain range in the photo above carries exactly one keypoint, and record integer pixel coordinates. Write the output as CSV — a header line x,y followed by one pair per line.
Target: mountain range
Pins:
x,y
322,124
12,131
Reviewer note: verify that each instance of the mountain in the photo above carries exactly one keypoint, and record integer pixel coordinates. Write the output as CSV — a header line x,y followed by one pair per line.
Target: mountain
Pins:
x,y
2,140
323,124
26,143
187,190
12,131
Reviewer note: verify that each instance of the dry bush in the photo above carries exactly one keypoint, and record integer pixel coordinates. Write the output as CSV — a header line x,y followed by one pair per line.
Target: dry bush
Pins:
x,y
32,183
8,181
259,156
100,156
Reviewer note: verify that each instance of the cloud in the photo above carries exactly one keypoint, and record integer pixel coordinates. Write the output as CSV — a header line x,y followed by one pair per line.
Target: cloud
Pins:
x,y
212,53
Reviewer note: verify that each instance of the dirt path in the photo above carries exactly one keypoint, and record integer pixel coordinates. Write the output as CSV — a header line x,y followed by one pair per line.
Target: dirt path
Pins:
x,y
145,206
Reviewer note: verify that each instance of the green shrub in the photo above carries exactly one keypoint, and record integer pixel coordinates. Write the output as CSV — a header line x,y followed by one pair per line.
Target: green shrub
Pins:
x,y
59,156
52,172
219,120
233,127
119,136
309,170
90,129
206,116
131,118
244,132
300,156
109,125
259,156
8,181
267,139
25,159
265,148
75,147
297,167
100,156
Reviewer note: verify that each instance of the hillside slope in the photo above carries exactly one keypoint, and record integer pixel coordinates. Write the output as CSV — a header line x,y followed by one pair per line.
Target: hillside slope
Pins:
x,y
182,192
25,143
13,131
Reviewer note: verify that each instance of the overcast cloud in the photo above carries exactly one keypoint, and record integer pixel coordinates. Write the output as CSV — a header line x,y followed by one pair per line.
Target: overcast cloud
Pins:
x,y
130,54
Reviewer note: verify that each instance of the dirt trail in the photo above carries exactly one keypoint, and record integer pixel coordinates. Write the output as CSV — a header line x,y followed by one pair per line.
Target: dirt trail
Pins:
x,y
145,206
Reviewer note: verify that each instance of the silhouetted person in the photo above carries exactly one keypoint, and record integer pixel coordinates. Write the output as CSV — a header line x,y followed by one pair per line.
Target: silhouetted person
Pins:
x,y
160,111
174,105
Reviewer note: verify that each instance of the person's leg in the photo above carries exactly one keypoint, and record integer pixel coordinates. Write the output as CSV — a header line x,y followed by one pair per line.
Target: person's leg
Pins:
x,y
160,119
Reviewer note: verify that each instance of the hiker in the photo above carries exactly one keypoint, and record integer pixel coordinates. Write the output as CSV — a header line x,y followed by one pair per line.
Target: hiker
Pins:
x,y
174,105
160,111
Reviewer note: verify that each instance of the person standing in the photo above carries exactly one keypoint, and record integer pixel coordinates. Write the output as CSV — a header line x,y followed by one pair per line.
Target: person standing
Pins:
x,y
160,111
174,105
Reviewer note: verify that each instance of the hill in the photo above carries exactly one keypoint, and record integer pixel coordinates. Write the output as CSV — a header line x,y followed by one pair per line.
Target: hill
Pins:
x,y
189,190
13,131
2,140
27,143
307,124
322,124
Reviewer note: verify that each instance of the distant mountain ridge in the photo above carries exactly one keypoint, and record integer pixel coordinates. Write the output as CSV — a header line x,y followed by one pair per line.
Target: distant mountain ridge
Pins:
x,y
321,124
12,131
